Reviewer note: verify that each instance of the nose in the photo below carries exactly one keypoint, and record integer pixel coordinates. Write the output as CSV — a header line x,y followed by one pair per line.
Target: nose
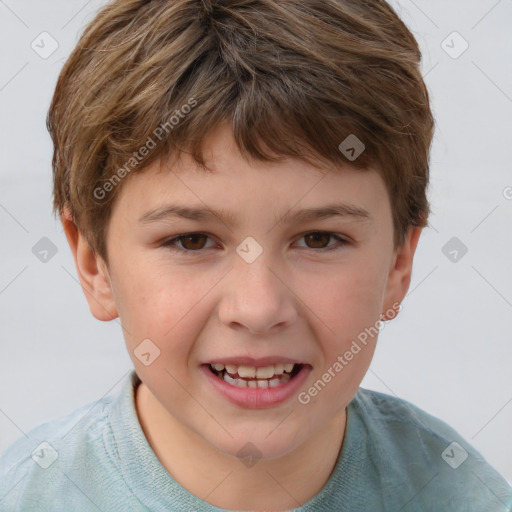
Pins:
x,y
257,299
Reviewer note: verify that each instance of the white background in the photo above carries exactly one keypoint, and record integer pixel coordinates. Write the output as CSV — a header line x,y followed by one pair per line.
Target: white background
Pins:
x,y
449,351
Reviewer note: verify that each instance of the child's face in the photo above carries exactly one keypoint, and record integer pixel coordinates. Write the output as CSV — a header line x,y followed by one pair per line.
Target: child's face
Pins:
x,y
297,302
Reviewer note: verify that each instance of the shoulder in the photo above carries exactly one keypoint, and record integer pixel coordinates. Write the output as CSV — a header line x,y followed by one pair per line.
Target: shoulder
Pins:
x,y
416,455
384,409
73,462
34,466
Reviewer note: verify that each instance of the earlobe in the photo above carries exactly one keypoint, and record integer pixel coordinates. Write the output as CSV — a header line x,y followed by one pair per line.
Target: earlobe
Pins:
x,y
92,272
399,278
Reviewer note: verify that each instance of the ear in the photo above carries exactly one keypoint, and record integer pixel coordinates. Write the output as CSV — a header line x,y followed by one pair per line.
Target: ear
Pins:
x,y
92,272
399,277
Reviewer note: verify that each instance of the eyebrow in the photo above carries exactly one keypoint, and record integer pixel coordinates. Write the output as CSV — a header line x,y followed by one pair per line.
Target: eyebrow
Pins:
x,y
230,218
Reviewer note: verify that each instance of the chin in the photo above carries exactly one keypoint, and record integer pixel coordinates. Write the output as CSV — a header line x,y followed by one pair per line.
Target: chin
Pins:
x,y
258,445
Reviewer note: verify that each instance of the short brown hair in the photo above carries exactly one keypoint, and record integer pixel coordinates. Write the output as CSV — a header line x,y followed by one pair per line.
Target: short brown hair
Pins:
x,y
293,77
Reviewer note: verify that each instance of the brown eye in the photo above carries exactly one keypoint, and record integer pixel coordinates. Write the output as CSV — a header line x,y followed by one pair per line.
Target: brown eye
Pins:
x,y
318,240
193,242
189,242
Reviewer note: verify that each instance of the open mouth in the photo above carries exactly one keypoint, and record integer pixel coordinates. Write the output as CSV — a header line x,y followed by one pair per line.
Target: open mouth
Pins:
x,y
270,376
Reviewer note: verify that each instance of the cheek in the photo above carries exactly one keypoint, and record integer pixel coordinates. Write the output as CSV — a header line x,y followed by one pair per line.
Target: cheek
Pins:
x,y
335,385
158,306
160,311
349,310
345,300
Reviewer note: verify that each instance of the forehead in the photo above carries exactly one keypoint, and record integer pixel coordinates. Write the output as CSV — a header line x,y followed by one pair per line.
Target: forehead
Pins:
x,y
235,184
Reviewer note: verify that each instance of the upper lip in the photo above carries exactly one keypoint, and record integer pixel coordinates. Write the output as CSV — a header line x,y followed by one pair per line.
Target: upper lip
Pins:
x,y
256,362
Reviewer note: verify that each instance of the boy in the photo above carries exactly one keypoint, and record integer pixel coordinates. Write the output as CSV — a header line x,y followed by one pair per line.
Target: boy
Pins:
x,y
259,128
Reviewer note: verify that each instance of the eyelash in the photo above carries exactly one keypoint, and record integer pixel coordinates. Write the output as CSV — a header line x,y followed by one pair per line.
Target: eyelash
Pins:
x,y
171,243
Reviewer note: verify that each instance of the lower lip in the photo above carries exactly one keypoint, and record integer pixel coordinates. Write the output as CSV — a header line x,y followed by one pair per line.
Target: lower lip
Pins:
x,y
257,398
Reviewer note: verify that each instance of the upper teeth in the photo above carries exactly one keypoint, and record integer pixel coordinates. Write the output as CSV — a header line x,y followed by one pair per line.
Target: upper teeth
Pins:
x,y
263,372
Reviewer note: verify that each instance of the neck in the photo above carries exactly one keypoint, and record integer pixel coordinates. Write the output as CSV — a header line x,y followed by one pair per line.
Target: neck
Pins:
x,y
288,481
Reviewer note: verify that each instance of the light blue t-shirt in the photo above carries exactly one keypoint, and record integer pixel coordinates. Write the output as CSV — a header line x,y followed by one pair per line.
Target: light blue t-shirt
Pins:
x,y
395,458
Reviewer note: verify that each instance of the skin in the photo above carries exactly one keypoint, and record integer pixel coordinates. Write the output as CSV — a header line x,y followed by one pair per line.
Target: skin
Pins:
x,y
296,300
